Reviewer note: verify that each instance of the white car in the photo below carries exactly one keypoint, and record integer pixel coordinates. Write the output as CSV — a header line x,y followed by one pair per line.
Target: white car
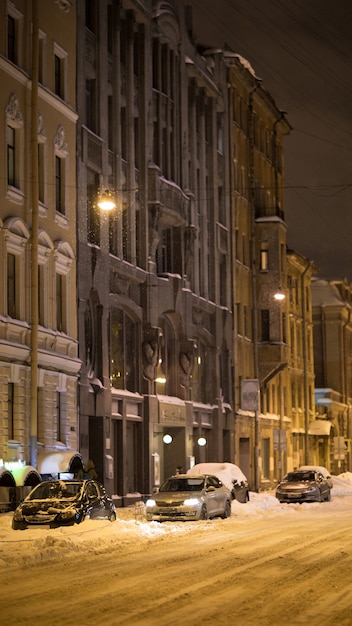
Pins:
x,y
229,474
321,469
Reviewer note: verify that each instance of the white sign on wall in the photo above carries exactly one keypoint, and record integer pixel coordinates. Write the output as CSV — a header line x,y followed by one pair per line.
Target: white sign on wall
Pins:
x,y
250,395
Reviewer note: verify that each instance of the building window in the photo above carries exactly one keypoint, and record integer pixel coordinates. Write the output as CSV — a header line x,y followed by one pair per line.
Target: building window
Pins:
x,y
59,79
61,412
246,321
265,325
264,257
11,410
91,15
91,105
41,294
11,39
169,255
42,43
11,156
123,351
59,185
60,302
202,384
41,169
220,134
12,303
165,110
93,214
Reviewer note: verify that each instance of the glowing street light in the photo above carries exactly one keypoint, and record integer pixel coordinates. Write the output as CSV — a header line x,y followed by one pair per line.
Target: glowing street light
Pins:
x,y
106,200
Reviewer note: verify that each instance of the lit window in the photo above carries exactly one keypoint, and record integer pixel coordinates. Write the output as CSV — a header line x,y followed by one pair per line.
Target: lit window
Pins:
x,y
264,257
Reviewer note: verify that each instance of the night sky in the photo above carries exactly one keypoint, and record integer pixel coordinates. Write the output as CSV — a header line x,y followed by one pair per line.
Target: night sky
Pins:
x,y
302,51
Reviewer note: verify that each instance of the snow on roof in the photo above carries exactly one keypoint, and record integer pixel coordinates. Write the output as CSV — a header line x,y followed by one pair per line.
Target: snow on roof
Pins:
x,y
226,472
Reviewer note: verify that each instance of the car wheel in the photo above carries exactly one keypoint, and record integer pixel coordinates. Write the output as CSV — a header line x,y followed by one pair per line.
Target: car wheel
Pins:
x,y
328,497
112,516
227,510
18,525
203,512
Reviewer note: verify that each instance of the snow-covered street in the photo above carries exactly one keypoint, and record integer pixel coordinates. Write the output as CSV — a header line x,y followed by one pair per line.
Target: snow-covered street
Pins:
x,y
269,564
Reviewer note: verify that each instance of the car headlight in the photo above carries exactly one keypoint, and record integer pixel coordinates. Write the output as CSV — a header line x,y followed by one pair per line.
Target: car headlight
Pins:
x,y
191,502
149,503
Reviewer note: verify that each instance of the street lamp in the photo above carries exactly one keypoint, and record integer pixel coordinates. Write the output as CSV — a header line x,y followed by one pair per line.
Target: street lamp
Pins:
x,y
106,200
279,295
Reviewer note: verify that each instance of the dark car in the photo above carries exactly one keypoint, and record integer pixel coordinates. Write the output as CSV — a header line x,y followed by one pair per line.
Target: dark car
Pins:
x,y
63,503
303,486
189,497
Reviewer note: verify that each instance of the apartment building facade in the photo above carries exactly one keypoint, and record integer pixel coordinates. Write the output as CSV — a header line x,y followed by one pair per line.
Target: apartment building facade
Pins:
x,y
39,363
331,443
154,273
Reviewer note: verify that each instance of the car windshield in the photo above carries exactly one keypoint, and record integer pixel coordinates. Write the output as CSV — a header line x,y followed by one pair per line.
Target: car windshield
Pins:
x,y
183,484
55,489
295,477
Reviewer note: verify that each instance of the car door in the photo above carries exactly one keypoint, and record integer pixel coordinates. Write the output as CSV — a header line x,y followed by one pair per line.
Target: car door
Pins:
x,y
323,485
95,504
217,496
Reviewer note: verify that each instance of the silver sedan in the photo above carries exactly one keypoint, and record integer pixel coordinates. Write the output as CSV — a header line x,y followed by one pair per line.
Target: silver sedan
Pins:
x,y
185,497
303,486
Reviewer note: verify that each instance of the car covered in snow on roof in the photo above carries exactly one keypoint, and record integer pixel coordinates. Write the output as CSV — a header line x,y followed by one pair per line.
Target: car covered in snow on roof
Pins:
x,y
188,497
56,503
230,474
303,486
321,469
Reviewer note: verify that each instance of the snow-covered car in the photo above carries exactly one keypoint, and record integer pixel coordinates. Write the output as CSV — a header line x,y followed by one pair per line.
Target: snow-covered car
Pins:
x,y
63,503
321,469
229,474
303,486
188,497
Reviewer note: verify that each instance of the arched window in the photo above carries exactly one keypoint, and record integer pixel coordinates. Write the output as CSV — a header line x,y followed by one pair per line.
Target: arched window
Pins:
x,y
123,351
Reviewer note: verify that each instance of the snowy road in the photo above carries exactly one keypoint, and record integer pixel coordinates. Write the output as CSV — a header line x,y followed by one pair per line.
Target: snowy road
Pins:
x,y
268,564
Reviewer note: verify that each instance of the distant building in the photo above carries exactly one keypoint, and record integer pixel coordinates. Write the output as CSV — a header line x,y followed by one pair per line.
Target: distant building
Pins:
x,y
332,308
299,377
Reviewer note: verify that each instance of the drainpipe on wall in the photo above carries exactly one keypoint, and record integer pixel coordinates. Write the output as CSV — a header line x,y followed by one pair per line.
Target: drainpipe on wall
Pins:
x,y
254,277
34,236
305,368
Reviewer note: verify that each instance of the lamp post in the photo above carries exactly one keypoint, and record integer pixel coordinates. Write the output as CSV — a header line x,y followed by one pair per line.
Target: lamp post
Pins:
x,y
280,296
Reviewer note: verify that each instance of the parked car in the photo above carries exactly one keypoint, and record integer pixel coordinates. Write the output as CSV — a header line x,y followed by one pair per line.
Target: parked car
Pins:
x,y
62,503
187,497
303,486
231,475
321,469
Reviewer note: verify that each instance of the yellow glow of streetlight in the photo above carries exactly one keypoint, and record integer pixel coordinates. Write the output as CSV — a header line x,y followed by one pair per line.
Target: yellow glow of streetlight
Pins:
x,y
279,295
106,201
